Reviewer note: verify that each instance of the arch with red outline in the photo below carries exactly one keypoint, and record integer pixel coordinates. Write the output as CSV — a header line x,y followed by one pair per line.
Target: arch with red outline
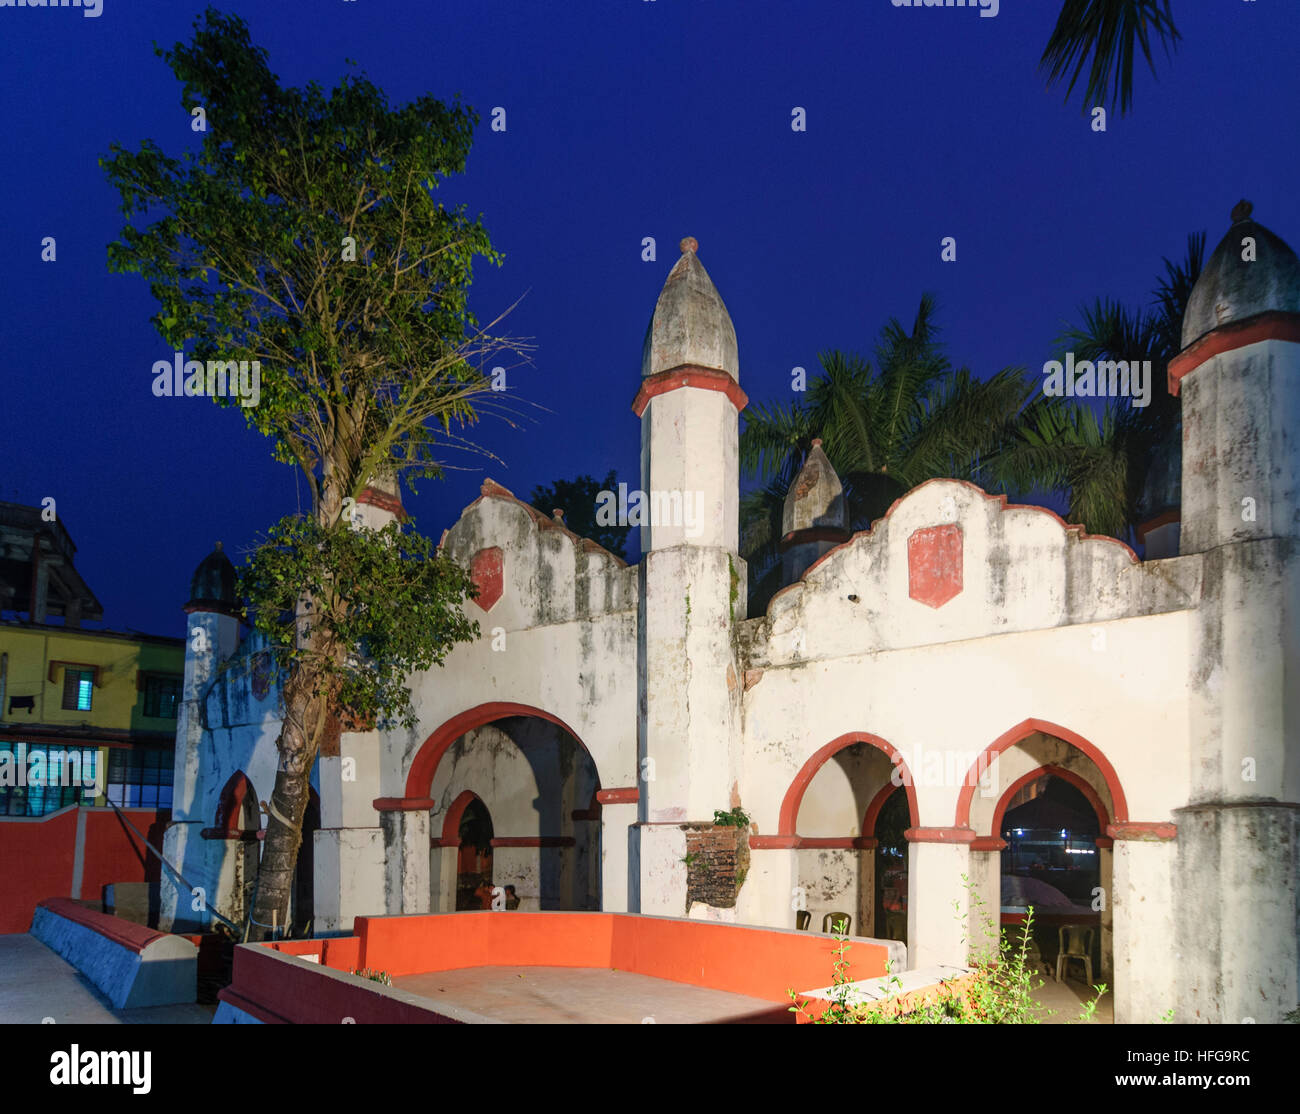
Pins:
x,y
1080,783
1019,733
237,796
789,816
419,779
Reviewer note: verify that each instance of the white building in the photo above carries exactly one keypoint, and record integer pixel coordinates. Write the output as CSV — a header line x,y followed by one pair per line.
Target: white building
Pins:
x,y
608,711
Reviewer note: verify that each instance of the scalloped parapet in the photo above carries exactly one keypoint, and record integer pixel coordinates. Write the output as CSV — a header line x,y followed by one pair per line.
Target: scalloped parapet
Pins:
x,y
949,562
534,570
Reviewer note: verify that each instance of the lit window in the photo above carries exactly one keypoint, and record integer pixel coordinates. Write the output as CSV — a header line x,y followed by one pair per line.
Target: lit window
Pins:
x,y
78,688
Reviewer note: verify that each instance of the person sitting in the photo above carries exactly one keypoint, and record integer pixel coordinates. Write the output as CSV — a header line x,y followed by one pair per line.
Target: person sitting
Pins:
x,y
512,898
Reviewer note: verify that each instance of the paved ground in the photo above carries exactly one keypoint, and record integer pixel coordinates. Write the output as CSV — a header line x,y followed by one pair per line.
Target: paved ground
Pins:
x,y
580,995
1067,999
38,984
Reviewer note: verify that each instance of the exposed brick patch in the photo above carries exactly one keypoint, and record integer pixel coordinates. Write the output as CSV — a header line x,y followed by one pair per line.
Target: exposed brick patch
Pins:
x,y
717,860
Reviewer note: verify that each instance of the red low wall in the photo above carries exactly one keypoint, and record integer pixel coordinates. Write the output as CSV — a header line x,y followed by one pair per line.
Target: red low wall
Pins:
x,y
38,858
758,962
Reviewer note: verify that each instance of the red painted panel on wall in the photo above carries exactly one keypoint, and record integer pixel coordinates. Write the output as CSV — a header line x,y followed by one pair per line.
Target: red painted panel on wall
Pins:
x,y
934,564
486,572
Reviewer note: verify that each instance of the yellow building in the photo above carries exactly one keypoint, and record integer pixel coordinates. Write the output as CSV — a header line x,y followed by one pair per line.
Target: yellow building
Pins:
x,y
98,706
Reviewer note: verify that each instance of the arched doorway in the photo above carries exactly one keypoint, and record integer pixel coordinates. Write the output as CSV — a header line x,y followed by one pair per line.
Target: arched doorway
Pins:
x,y
886,824
238,823
1040,825
832,811
536,783
473,854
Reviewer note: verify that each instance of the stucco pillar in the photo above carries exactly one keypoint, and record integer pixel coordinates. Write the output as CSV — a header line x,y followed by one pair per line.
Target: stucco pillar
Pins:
x,y
442,877
985,897
406,859
770,896
657,867
1146,961
1238,912
616,818
1106,879
937,895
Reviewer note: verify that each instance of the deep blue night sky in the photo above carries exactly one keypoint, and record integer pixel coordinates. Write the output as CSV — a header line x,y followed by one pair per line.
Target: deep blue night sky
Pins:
x,y
625,119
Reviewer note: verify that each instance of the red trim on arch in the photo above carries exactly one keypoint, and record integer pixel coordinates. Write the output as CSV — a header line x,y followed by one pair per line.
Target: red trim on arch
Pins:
x,y
419,781
877,803
988,843
230,805
618,796
794,795
403,804
1144,831
533,841
1023,730
451,822
1093,797
702,378
939,835
1273,324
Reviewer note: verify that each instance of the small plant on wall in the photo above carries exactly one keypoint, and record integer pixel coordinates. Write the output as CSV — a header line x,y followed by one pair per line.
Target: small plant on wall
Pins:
x,y
735,818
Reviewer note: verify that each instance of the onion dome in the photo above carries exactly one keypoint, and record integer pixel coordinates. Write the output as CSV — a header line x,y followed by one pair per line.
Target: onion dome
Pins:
x,y
815,500
690,326
1231,288
212,587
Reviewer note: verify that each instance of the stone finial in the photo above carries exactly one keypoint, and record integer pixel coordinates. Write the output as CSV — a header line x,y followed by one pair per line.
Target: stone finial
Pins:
x,y
1241,211
558,515
220,547
690,326
816,498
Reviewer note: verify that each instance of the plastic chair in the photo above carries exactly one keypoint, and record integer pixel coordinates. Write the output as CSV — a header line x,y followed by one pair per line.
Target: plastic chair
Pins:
x,y
803,920
837,923
1075,942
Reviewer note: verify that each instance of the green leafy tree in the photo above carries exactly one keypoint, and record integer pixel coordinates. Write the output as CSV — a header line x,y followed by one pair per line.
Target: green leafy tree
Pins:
x,y
577,498
1103,459
303,234
886,428
1111,31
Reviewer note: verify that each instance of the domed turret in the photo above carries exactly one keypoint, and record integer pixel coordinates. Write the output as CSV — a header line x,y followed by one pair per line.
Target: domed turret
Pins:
x,y
213,585
1232,288
816,498
690,327
814,518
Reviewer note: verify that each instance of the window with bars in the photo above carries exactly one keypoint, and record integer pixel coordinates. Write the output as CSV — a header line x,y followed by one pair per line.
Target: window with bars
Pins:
x,y
161,695
139,778
78,687
52,777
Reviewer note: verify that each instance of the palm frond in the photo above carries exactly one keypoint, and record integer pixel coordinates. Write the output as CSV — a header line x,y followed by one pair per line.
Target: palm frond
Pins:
x,y
1108,30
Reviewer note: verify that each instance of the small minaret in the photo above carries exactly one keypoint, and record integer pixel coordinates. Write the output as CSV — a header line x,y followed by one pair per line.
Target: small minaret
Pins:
x,y
1235,854
211,637
693,583
814,519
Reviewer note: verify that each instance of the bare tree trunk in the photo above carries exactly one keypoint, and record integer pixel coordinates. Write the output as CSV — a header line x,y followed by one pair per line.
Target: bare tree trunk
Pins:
x,y
305,712
297,747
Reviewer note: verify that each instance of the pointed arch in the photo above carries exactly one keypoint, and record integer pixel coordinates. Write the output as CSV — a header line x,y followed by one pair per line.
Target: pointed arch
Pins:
x,y
1022,731
789,816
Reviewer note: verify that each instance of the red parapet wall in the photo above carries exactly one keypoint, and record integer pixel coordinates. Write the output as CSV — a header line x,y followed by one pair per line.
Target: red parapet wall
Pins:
x,y
38,857
758,962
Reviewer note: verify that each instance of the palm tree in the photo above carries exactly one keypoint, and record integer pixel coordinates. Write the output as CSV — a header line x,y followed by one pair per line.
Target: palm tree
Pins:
x,y
1103,461
887,428
1108,30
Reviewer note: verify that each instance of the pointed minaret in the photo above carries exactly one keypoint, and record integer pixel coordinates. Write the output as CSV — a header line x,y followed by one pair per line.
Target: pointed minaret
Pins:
x,y
1234,859
692,580
814,519
212,636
